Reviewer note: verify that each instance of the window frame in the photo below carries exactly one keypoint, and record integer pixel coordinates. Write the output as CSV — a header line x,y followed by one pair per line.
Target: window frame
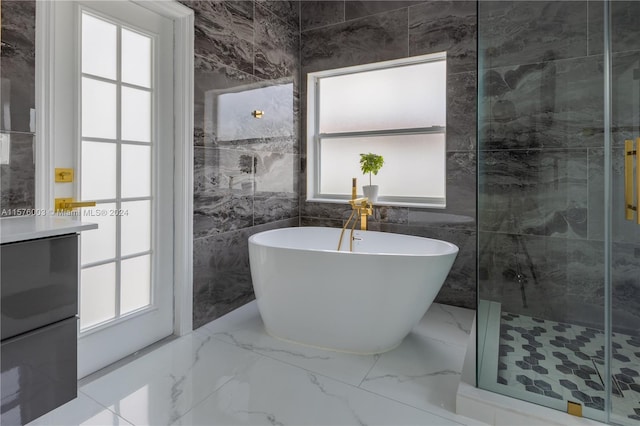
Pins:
x,y
314,138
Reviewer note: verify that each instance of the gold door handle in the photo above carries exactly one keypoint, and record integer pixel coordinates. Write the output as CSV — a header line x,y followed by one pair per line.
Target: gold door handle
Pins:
x,y
628,179
67,204
629,153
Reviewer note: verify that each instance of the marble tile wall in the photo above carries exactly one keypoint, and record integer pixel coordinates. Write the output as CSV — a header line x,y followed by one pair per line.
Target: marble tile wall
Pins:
x,y
245,169
17,103
541,159
336,34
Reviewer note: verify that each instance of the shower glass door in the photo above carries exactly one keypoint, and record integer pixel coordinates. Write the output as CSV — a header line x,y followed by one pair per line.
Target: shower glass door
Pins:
x,y
558,260
624,44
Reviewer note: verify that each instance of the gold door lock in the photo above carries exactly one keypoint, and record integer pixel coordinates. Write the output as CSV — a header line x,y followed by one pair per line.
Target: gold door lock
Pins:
x,y
67,204
63,175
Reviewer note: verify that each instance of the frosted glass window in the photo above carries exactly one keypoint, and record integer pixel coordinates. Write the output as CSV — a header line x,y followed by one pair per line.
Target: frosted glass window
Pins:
x,y
135,283
136,58
99,244
396,109
136,227
98,47
392,98
136,115
97,295
414,165
98,109
136,171
98,170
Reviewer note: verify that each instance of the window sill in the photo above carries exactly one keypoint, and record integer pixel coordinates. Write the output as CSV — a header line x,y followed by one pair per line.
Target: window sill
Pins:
x,y
382,202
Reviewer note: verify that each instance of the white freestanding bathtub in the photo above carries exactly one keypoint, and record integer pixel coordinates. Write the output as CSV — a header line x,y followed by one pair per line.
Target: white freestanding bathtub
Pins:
x,y
364,302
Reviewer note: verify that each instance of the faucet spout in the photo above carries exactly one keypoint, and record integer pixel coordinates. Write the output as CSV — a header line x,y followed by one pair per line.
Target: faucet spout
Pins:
x,y
360,207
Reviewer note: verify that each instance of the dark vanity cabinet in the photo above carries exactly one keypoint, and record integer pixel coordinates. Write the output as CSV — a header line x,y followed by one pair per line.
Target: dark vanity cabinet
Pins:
x,y
39,306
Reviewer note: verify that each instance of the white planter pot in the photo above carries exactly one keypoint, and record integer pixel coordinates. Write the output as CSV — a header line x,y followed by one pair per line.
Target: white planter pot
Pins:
x,y
371,192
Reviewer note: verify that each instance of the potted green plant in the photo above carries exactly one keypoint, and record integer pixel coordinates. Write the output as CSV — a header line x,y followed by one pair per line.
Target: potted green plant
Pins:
x,y
371,163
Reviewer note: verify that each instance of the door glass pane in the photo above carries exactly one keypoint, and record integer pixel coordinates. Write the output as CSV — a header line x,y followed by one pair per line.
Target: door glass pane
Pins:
x,y
136,171
98,109
136,58
135,283
136,115
98,170
98,47
99,244
97,294
136,227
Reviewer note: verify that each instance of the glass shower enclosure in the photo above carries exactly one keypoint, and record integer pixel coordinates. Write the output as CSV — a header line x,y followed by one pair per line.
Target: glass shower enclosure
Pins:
x,y
558,188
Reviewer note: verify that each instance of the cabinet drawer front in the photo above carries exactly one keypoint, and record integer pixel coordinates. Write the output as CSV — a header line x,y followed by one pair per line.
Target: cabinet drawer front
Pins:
x,y
39,283
39,371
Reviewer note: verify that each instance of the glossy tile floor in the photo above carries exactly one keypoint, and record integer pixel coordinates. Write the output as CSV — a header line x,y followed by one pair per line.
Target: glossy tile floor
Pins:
x,y
566,362
230,372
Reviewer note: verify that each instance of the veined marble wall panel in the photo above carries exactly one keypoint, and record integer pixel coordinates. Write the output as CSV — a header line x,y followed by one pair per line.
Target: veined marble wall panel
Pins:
x,y
221,275
17,74
562,278
451,26
361,41
17,106
224,32
17,175
553,104
529,32
320,13
246,169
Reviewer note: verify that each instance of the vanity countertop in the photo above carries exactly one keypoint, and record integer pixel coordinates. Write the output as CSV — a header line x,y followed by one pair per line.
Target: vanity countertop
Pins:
x,y
21,228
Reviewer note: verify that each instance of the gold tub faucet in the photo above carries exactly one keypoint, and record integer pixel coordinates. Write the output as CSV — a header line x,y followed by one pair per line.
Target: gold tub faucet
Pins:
x,y
360,207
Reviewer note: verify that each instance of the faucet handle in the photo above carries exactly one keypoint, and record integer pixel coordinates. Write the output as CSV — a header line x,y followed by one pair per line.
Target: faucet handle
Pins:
x,y
354,188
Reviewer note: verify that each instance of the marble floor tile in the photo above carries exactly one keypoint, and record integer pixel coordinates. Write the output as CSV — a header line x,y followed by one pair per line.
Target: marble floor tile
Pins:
x,y
80,411
273,393
231,372
449,324
421,372
163,385
246,330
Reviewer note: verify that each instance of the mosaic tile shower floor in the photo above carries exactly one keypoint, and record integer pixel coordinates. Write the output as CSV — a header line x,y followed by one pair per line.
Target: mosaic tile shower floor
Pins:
x,y
565,361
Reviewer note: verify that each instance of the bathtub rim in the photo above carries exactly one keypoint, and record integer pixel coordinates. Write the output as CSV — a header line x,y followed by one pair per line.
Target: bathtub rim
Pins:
x,y
452,248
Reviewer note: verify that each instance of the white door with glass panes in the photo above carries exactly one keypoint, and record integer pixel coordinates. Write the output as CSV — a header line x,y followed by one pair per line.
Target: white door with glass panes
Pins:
x,y
114,125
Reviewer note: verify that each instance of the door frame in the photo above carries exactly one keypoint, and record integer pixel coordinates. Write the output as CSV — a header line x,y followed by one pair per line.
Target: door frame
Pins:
x,y
183,68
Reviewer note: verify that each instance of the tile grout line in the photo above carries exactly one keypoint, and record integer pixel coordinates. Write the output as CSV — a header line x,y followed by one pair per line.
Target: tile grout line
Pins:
x,y
369,371
106,408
